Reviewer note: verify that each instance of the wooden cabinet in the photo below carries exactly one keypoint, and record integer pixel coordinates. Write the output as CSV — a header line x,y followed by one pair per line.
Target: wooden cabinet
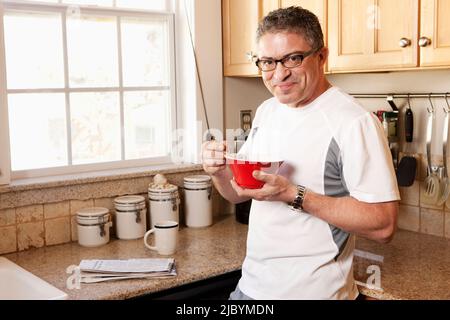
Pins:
x,y
435,33
365,36
240,21
362,35
377,35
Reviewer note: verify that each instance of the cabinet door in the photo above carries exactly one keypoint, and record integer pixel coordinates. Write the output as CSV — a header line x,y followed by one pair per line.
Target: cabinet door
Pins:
x,y
435,26
240,21
269,5
365,35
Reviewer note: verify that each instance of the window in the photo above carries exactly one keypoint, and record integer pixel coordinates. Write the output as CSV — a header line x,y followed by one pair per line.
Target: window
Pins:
x,y
89,84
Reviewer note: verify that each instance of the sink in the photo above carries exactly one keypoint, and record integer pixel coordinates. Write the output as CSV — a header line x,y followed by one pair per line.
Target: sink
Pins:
x,y
17,283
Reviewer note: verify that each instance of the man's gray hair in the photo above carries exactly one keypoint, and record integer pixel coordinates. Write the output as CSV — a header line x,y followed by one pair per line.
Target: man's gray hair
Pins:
x,y
294,20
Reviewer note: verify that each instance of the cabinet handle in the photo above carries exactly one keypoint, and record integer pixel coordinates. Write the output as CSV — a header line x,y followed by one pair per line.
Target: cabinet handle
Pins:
x,y
424,42
404,42
250,56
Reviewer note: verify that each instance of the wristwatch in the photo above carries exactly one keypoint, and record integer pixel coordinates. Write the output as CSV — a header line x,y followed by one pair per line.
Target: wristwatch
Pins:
x,y
297,204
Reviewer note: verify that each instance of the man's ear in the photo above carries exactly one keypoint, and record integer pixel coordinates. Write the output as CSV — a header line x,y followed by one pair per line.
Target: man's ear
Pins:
x,y
323,55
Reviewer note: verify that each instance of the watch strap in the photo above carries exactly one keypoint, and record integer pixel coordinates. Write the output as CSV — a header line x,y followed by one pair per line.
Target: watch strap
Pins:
x,y
297,204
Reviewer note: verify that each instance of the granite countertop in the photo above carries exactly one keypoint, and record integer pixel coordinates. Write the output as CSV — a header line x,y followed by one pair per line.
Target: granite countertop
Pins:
x,y
201,254
412,266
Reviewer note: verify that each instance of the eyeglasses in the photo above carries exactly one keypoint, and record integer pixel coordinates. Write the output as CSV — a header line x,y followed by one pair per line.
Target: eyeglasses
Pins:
x,y
291,61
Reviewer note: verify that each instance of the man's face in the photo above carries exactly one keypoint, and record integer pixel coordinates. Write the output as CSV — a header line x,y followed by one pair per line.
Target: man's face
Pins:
x,y
298,86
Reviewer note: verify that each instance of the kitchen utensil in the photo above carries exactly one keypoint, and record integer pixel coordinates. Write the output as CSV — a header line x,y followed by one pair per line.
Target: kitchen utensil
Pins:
x,y
406,171
430,187
445,188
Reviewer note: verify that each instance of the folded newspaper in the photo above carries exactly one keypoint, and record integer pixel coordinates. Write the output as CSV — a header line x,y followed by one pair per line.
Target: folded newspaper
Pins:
x,y
93,271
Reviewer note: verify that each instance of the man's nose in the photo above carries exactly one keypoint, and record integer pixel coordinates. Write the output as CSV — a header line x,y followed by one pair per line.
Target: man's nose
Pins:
x,y
281,72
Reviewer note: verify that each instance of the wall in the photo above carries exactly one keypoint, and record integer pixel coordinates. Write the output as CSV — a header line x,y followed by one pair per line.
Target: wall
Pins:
x,y
242,94
248,93
205,23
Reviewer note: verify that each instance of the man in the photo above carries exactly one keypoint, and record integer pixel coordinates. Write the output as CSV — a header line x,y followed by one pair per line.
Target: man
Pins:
x,y
337,180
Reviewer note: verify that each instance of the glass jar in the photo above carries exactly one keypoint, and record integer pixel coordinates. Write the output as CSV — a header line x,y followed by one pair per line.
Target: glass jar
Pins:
x,y
93,226
198,201
131,217
164,203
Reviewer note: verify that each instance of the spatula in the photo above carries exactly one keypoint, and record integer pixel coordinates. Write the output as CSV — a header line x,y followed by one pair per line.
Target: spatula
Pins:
x,y
406,171
445,187
430,187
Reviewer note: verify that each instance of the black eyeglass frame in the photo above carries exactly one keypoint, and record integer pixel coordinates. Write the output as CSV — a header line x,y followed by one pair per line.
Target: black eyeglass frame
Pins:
x,y
303,56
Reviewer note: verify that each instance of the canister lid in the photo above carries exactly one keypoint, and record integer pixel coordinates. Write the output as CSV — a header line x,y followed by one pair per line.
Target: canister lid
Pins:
x,y
129,200
93,216
161,186
197,179
92,212
165,189
197,182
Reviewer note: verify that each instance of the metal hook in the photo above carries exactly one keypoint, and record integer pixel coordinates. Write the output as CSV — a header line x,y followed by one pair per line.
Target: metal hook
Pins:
x,y
409,101
448,104
390,100
432,106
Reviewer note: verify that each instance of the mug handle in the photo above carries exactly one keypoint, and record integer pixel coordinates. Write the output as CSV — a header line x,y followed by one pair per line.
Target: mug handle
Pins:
x,y
145,240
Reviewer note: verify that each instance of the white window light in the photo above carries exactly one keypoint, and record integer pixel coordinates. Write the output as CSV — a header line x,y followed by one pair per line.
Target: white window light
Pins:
x,y
88,89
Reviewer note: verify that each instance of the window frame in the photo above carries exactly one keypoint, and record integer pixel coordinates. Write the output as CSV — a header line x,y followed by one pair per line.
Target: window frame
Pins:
x,y
5,164
169,17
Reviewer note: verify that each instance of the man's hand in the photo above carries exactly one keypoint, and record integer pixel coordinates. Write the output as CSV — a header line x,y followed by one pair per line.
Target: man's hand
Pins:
x,y
276,188
213,157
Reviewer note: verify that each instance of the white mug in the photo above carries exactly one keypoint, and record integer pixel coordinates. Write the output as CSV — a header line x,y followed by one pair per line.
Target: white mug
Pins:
x,y
166,237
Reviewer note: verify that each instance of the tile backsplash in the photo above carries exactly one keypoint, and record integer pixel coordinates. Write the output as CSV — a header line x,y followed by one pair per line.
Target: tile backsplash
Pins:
x,y
47,224
417,216
51,223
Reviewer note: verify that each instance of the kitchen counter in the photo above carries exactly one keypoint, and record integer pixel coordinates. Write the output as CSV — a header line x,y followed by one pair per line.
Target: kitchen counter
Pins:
x,y
201,254
414,266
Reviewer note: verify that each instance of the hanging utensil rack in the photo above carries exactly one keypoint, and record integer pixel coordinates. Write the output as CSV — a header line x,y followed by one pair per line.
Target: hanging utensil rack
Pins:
x,y
390,97
400,95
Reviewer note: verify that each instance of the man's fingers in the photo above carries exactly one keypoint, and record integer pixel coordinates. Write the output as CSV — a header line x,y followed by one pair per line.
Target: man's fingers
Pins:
x,y
214,146
237,188
215,155
250,193
262,176
214,162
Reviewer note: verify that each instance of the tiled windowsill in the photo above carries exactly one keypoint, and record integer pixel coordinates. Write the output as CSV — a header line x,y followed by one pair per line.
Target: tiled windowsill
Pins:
x,y
86,186
97,176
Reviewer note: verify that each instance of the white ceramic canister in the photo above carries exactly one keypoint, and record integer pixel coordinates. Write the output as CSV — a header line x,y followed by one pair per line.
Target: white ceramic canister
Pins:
x,y
164,202
93,226
131,217
198,201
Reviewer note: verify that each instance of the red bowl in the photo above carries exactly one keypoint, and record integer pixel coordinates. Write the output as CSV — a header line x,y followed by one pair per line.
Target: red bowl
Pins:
x,y
243,171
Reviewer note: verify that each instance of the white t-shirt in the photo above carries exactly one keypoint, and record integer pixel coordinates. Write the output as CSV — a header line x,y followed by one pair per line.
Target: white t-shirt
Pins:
x,y
334,147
